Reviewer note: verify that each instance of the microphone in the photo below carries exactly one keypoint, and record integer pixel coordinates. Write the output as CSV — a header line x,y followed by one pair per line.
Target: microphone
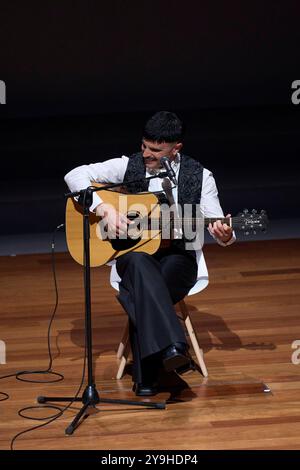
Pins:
x,y
165,162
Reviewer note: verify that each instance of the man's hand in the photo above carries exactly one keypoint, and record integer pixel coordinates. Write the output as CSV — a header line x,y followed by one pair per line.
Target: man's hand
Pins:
x,y
222,232
116,222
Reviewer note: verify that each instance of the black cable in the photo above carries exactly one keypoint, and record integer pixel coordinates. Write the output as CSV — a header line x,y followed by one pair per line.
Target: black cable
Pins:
x,y
54,417
61,411
49,368
6,396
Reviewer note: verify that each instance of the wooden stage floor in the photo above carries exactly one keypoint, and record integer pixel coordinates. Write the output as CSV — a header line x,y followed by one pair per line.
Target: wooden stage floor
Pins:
x,y
247,320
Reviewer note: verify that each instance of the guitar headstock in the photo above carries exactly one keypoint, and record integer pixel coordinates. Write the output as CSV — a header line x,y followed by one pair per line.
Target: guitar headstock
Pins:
x,y
250,222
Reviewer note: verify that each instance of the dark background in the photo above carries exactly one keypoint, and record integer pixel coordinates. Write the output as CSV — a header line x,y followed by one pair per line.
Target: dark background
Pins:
x,y
82,77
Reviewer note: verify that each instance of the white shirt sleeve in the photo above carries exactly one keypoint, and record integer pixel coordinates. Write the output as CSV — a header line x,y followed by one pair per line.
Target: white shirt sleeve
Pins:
x,y
210,204
110,171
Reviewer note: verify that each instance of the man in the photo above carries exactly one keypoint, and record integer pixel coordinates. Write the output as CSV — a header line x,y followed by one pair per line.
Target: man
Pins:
x,y
150,285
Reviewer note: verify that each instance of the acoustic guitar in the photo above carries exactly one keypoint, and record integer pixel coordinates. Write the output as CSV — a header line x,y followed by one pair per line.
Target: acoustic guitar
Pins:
x,y
151,226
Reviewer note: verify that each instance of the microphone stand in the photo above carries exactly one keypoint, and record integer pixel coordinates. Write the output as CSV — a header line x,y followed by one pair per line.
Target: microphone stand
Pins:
x,y
90,397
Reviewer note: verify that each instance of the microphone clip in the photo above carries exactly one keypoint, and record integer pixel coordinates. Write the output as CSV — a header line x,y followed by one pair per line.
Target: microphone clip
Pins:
x,y
165,162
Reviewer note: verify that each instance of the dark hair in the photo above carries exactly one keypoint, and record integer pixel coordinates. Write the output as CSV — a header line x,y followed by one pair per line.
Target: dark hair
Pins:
x,y
164,126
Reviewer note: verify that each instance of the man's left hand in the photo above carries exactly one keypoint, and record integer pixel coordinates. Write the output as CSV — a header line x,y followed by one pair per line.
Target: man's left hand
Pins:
x,y
222,232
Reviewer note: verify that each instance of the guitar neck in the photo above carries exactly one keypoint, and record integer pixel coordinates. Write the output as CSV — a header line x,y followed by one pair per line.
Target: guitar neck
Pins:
x,y
179,222
211,220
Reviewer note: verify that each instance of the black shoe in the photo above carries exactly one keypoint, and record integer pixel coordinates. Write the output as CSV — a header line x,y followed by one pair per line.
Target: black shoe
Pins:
x,y
175,356
187,368
145,390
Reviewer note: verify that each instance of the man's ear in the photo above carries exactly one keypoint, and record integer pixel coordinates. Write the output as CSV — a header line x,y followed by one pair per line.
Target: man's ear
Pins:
x,y
178,147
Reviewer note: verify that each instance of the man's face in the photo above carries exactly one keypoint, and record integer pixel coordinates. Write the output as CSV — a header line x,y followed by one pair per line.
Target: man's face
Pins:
x,y
153,151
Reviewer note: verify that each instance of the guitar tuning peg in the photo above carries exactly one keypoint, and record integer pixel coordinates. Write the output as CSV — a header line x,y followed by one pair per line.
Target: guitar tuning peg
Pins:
x,y
254,211
245,211
246,233
263,212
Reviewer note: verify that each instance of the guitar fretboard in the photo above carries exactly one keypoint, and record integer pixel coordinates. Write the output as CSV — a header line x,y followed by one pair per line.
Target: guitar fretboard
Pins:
x,y
179,223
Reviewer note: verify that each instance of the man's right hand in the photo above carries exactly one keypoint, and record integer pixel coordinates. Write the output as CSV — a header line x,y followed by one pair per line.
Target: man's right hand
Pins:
x,y
116,223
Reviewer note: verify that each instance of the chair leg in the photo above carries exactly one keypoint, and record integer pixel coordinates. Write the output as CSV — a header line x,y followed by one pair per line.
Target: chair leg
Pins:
x,y
123,342
193,337
124,347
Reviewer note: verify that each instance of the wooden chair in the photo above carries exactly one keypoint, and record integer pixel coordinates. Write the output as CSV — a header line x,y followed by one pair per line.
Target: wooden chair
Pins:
x,y
124,346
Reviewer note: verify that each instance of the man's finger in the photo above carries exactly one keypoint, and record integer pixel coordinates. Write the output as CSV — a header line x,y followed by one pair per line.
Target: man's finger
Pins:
x,y
217,230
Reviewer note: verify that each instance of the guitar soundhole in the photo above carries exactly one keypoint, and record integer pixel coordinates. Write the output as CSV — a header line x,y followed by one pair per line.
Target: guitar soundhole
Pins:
x,y
134,233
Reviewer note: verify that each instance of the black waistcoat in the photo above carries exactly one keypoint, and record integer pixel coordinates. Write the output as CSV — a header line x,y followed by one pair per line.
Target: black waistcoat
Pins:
x,y
189,179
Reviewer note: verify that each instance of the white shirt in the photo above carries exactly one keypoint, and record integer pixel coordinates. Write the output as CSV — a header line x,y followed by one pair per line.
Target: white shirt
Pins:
x,y
113,171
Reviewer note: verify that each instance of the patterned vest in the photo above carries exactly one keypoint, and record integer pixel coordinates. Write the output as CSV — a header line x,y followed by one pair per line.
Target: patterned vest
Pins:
x,y
189,180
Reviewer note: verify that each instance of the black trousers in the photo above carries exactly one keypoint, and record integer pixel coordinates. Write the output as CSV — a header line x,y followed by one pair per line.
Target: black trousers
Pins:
x,y
150,285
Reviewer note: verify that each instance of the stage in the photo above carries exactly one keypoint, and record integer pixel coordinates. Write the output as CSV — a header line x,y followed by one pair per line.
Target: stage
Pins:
x,y
246,320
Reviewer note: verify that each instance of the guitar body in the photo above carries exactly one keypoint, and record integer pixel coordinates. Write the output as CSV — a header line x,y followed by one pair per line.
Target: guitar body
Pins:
x,y
103,250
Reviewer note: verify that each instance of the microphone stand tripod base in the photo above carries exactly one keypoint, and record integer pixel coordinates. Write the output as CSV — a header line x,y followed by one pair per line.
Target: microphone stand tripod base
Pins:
x,y
90,399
